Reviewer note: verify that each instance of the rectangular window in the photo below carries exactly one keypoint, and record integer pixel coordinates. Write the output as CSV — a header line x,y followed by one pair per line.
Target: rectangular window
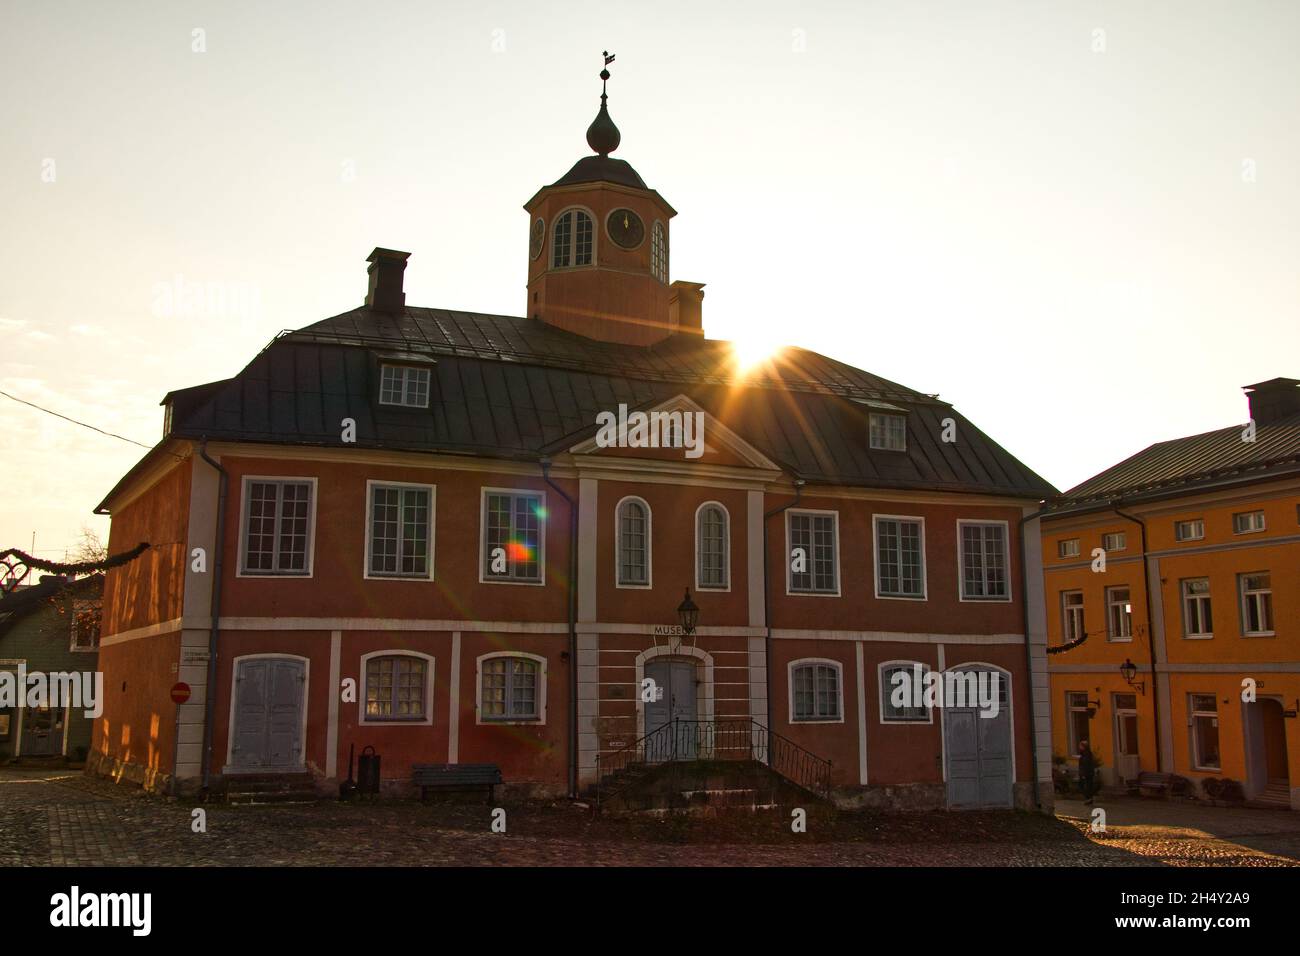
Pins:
x,y
1256,604
404,385
1119,615
816,692
1115,541
509,689
910,712
1072,615
1247,522
1067,548
900,557
395,688
984,561
813,553
888,432
401,526
1080,716
1191,530
86,619
277,527
1197,619
512,536
1205,730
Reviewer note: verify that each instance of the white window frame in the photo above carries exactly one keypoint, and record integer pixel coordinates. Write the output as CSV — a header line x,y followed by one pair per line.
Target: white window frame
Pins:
x,y
1066,615
367,573
1125,608
815,662
659,251
961,561
483,577
1253,526
618,545
1067,548
887,430
75,606
726,548
1071,709
241,570
1196,525
1192,715
1187,600
875,559
1110,536
573,238
1245,595
406,370
789,546
884,693
365,719
538,721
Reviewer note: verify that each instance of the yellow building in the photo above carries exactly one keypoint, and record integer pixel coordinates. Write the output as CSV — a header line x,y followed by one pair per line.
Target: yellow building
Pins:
x,y
1172,585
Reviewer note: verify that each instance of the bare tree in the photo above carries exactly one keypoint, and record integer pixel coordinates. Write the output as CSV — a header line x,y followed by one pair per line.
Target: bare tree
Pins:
x,y
89,548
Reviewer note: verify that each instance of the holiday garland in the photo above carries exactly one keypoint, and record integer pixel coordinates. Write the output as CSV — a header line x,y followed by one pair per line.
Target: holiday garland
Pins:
x,y
59,567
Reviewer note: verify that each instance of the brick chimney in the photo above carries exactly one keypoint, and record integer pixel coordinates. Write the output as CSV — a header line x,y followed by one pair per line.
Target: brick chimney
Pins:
x,y
686,307
386,268
1273,400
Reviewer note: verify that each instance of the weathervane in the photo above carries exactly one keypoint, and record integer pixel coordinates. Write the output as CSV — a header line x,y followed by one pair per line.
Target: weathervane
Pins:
x,y
604,74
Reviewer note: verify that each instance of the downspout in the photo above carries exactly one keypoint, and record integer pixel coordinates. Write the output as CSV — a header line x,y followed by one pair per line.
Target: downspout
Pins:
x,y
767,601
573,628
210,697
1151,631
1029,656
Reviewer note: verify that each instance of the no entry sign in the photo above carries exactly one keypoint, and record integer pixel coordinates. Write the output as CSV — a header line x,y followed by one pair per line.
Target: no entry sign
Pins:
x,y
180,692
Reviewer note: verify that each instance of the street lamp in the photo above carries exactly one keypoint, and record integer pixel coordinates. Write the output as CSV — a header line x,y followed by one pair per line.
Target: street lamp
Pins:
x,y
1128,670
688,614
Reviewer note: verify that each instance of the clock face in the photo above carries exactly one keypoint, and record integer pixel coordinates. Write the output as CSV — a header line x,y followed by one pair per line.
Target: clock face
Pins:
x,y
625,228
536,239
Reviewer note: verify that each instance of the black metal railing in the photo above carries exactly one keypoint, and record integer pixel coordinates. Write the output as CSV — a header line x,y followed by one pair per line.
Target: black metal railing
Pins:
x,y
739,739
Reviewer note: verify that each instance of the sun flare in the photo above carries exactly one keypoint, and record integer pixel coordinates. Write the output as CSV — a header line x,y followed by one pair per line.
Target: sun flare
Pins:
x,y
752,352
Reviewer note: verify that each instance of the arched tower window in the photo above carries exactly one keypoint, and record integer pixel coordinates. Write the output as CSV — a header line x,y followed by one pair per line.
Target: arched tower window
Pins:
x,y
573,240
659,252
633,520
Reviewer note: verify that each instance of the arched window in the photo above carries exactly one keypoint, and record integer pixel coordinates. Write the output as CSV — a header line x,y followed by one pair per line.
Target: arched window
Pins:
x,y
573,240
815,691
633,520
902,698
398,687
659,252
712,547
512,688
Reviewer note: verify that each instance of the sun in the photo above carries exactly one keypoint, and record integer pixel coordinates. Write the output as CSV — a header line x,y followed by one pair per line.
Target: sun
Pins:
x,y
752,351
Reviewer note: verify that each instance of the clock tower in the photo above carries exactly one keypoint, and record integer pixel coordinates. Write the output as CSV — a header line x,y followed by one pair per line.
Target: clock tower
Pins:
x,y
598,247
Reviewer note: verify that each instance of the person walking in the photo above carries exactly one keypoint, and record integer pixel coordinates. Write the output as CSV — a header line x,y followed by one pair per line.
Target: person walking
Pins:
x,y
1087,772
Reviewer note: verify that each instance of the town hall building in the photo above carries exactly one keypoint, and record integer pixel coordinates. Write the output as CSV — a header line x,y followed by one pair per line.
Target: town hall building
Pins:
x,y
403,528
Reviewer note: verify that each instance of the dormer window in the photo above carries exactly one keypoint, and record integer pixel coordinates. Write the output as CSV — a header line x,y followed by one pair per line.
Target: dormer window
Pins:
x,y
573,240
404,385
888,432
659,252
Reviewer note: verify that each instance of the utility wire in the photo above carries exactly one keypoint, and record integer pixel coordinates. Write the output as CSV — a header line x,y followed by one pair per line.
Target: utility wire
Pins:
x,y
73,420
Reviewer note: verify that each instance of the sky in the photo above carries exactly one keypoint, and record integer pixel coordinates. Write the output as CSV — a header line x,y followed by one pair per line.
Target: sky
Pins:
x,y
1079,222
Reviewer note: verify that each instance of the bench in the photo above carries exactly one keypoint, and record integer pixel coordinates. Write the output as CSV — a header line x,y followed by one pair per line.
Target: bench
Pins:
x,y
1155,784
456,776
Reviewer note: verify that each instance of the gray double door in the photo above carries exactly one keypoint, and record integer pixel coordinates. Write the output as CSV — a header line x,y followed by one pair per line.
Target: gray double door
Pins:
x,y
675,699
979,753
268,731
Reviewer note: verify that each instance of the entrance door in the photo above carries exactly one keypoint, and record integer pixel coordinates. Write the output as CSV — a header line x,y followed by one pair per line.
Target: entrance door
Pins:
x,y
1275,759
268,714
676,680
42,732
979,751
1127,763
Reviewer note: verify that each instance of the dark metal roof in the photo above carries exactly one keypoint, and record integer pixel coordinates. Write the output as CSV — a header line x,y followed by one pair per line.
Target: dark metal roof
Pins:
x,y
1193,463
516,388
602,169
